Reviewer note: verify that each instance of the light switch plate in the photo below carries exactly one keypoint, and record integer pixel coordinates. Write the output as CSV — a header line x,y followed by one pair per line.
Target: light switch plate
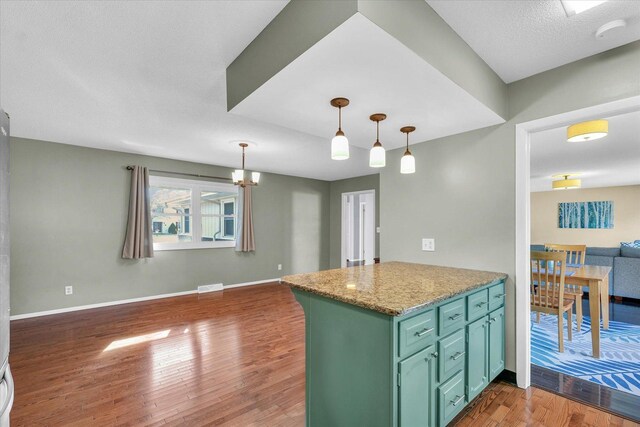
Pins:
x,y
429,245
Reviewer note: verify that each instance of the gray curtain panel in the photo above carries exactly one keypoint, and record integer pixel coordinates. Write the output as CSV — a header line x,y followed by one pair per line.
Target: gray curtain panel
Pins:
x,y
138,242
247,241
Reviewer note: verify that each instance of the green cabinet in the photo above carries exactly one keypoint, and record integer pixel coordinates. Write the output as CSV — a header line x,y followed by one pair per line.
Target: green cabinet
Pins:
x,y
365,368
451,398
415,379
477,362
496,343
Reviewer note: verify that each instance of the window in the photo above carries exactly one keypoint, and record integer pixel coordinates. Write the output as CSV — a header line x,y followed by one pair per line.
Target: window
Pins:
x,y
189,214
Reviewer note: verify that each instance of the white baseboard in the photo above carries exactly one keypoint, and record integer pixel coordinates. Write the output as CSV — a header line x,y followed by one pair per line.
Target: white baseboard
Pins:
x,y
127,301
257,282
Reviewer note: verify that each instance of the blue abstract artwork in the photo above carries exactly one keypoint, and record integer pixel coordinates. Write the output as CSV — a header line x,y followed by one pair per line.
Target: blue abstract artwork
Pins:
x,y
585,214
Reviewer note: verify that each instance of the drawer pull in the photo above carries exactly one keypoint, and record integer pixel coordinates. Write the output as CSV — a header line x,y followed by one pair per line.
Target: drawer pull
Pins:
x,y
458,355
423,332
499,296
457,400
455,316
480,304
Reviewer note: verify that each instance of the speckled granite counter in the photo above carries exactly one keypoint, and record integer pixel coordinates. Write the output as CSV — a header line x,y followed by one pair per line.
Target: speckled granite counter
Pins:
x,y
393,288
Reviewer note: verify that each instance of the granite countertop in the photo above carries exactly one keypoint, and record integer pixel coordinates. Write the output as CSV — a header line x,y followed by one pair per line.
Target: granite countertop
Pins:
x,y
393,288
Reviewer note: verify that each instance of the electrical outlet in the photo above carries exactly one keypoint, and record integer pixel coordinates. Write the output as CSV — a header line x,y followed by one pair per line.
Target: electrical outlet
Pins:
x,y
429,245
279,267
68,290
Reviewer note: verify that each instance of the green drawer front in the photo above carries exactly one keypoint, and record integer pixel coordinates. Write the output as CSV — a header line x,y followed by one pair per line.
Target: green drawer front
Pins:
x,y
477,304
451,316
496,296
451,355
451,398
416,333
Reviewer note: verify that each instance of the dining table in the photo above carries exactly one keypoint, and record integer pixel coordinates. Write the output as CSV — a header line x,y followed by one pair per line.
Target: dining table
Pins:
x,y
596,278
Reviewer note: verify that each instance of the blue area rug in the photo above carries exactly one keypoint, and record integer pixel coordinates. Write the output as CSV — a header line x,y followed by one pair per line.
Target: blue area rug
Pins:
x,y
618,367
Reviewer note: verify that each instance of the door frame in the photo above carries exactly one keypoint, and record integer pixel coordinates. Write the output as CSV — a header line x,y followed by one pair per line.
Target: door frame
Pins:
x,y
345,224
523,215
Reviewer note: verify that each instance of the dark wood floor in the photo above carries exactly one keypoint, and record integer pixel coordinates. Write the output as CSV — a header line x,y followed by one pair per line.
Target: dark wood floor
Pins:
x,y
228,358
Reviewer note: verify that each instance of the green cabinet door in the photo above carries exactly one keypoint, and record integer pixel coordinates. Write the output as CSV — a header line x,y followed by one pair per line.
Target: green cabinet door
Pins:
x,y
477,355
496,343
415,380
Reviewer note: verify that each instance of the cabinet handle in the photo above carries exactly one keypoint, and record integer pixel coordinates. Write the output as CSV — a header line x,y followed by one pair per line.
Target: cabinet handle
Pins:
x,y
434,355
457,400
455,316
424,332
499,296
493,319
457,356
480,304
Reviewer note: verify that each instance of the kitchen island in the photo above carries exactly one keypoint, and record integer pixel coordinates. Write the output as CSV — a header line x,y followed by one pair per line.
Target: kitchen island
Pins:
x,y
398,344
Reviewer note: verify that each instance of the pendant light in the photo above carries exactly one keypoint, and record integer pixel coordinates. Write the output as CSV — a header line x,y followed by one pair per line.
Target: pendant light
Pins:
x,y
238,174
587,131
339,143
408,162
377,155
565,183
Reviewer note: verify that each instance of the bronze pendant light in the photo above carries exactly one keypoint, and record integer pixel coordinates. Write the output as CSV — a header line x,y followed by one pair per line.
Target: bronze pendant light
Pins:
x,y
377,155
408,162
339,143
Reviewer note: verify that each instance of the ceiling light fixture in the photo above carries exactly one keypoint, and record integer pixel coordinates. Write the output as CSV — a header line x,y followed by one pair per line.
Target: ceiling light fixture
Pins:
x,y
339,143
587,131
377,155
565,183
238,174
408,162
574,7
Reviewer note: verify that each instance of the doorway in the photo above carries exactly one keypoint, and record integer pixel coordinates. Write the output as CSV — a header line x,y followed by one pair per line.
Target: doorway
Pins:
x,y
524,133
358,228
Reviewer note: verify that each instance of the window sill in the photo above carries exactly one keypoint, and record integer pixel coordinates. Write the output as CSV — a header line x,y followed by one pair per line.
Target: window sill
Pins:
x,y
186,246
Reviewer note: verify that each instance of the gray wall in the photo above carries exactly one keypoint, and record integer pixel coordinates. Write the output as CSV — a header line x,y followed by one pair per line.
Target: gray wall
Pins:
x,y
368,182
463,192
68,216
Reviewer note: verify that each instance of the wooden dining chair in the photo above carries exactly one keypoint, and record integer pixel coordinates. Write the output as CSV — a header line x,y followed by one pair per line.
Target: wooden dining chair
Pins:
x,y
548,291
575,255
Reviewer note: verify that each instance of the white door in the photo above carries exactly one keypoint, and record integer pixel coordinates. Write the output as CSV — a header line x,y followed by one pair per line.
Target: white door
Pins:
x,y
358,227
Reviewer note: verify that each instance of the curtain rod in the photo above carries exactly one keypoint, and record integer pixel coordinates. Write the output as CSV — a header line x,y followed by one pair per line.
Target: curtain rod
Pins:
x,y
186,174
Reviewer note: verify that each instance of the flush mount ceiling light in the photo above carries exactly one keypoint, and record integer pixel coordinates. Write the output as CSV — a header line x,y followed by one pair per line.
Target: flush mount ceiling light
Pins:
x,y
339,143
565,183
574,7
587,131
377,155
238,174
408,162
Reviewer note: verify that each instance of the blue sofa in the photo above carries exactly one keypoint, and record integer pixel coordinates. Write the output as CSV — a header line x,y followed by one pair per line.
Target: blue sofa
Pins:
x,y
624,279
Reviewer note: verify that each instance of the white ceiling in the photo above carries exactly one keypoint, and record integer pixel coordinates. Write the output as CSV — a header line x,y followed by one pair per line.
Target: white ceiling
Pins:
x,y
147,78
360,61
518,39
608,162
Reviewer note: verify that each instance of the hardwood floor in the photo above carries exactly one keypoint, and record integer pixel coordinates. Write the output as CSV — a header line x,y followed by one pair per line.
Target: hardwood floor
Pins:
x,y
502,404
231,358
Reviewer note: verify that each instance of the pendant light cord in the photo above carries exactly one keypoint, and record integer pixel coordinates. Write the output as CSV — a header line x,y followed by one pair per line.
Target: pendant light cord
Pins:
x,y
377,130
340,118
242,158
